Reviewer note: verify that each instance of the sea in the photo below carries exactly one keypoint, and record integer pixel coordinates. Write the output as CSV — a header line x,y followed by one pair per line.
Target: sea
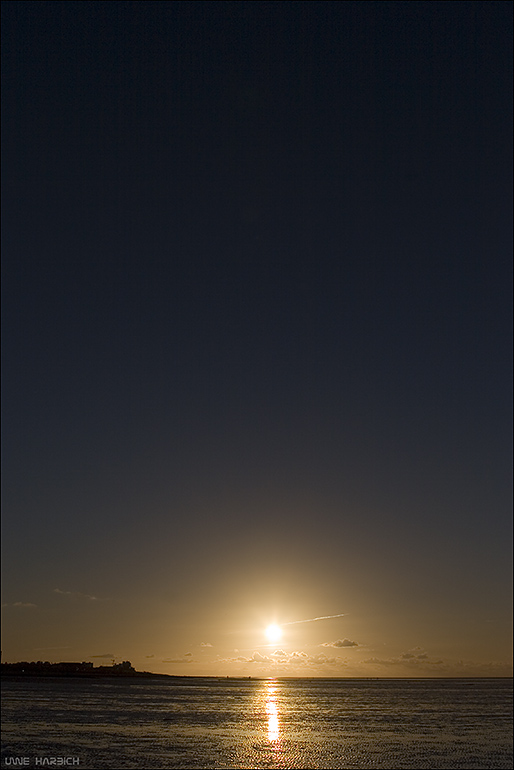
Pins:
x,y
213,723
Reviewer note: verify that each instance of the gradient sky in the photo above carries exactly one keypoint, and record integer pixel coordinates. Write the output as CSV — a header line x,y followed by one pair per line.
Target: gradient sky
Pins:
x,y
257,336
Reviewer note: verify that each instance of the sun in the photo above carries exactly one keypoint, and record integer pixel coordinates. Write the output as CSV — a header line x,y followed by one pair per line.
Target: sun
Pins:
x,y
273,632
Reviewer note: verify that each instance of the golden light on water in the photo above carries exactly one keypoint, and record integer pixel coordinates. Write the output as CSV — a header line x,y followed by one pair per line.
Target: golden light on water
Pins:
x,y
273,633
273,731
272,712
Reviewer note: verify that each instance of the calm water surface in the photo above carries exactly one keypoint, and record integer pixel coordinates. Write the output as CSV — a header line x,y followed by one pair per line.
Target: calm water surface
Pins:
x,y
209,723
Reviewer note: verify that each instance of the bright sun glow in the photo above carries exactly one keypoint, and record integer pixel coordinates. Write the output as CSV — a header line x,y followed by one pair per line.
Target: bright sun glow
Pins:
x,y
273,632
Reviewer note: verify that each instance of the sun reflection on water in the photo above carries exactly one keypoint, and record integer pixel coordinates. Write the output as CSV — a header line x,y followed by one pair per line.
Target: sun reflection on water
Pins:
x,y
272,712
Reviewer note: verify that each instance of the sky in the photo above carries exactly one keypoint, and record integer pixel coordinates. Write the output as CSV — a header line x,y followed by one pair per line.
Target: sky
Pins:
x,y
257,335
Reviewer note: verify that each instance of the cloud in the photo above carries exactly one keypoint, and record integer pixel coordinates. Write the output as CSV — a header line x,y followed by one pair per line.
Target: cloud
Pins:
x,y
149,656
239,659
280,659
340,643
187,657
26,605
488,668
258,658
279,654
178,660
255,658
205,644
105,655
323,660
413,657
79,595
381,662
315,661
312,620
422,663
298,656
414,661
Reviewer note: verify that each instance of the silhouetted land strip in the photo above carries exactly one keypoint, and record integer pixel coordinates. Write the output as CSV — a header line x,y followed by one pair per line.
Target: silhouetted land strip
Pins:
x,y
40,668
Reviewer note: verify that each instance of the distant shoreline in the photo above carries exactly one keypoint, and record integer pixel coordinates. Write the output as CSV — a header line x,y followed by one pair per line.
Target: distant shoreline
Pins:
x,y
96,674
83,675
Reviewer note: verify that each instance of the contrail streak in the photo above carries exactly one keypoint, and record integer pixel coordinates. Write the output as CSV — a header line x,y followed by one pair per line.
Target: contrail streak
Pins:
x,y
311,620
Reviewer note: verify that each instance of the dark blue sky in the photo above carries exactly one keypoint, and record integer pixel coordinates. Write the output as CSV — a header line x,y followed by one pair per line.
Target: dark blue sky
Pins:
x,y
255,254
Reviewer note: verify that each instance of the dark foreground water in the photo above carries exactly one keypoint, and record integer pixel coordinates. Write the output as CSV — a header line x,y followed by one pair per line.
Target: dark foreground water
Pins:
x,y
209,723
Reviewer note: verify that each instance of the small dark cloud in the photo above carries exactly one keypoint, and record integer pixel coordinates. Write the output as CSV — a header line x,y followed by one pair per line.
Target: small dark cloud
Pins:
x,y
26,605
381,662
413,657
188,655
105,655
78,595
177,660
149,656
415,653
341,643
